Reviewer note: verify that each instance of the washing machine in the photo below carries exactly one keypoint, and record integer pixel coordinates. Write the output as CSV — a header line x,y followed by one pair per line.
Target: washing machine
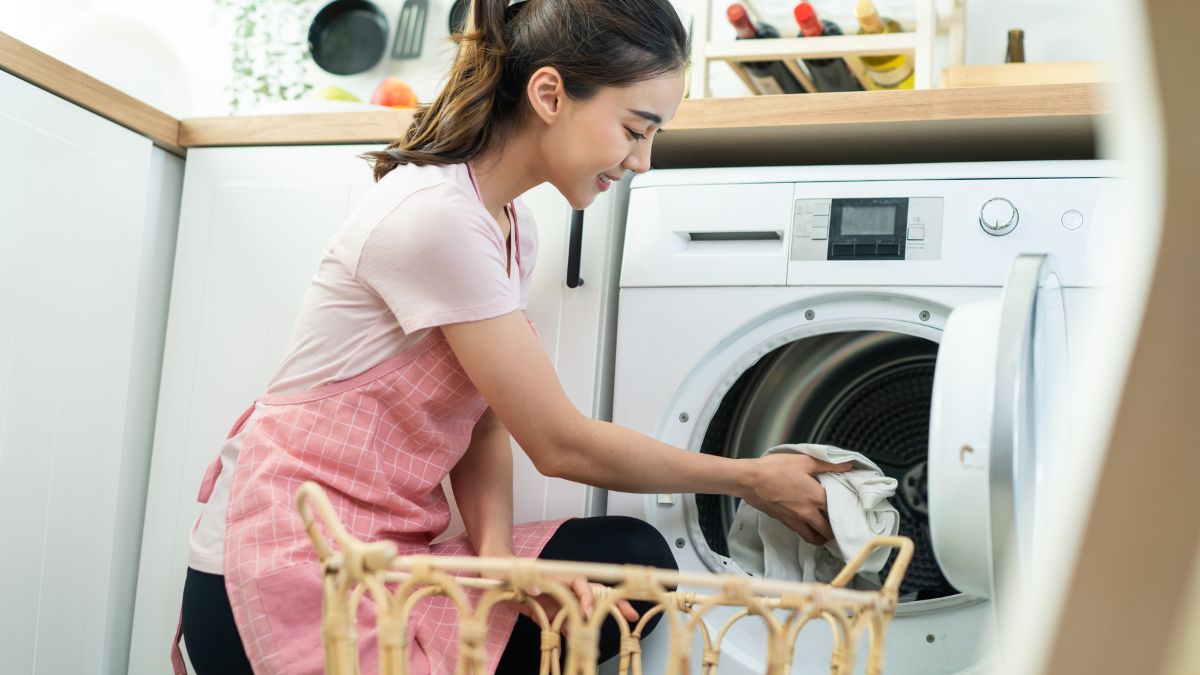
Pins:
x,y
920,314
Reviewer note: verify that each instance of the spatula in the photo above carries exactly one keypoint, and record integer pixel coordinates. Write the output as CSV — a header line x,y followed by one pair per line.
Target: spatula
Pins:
x,y
410,29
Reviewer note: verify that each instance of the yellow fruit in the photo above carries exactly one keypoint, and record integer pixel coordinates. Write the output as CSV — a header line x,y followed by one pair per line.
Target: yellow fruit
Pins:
x,y
332,93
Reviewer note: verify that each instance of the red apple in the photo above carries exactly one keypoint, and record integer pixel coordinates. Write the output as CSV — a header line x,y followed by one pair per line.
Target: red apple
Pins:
x,y
394,93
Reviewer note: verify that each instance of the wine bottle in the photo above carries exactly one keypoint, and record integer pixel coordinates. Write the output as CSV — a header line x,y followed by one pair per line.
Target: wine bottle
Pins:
x,y
890,71
829,74
769,77
1016,46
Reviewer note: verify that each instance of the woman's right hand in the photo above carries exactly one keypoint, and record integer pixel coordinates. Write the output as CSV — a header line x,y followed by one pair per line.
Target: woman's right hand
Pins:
x,y
787,490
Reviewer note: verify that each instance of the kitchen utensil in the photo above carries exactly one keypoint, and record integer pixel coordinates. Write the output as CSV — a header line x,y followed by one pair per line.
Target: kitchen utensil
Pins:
x,y
458,16
410,29
348,36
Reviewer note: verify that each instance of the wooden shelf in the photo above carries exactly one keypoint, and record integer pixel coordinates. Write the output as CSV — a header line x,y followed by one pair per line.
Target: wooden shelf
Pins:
x,y
1031,122
772,49
382,126
924,125
1020,74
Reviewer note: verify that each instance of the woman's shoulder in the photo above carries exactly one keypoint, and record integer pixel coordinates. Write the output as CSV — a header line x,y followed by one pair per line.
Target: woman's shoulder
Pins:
x,y
414,191
408,209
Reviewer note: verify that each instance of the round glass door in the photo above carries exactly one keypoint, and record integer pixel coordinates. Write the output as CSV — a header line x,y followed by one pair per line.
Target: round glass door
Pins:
x,y
995,422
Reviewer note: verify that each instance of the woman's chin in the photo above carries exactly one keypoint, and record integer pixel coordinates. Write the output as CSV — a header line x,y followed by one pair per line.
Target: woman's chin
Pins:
x,y
581,200
579,196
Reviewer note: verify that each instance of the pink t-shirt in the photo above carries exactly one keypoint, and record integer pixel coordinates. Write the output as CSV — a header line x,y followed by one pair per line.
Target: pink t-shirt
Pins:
x,y
419,251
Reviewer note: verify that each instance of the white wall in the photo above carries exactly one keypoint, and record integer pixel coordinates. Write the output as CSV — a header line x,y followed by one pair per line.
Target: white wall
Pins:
x,y
148,47
1060,30
135,44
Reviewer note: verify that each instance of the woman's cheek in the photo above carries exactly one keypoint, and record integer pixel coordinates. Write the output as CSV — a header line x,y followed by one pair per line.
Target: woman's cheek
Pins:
x,y
617,148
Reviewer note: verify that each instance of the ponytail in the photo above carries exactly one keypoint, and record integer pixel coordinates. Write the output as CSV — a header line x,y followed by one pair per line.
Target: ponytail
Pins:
x,y
459,124
592,43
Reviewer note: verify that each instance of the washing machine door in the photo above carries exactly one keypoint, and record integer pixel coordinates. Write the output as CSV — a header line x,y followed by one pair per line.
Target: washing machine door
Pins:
x,y
997,425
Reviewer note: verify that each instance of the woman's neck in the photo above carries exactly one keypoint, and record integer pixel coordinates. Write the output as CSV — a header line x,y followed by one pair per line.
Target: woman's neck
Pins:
x,y
507,172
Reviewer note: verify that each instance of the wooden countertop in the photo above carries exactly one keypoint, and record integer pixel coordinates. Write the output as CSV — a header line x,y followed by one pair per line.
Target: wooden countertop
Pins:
x,y
984,123
62,80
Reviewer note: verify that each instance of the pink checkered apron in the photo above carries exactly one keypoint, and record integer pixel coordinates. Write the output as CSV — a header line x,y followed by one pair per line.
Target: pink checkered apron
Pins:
x,y
380,444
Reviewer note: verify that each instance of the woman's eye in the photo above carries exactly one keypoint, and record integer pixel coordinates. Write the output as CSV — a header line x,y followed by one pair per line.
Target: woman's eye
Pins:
x,y
635,135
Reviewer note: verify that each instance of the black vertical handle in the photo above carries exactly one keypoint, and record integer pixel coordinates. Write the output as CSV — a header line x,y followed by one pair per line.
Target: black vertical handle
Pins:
x,y
574,250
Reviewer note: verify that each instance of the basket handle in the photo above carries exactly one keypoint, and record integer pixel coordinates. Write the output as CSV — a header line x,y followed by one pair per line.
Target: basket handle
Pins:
x,y
891,585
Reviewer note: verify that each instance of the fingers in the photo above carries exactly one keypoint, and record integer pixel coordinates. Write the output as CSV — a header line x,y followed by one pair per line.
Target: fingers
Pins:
x,y
587,600
819,523
583,590
819,498
627,610
821,466
806,532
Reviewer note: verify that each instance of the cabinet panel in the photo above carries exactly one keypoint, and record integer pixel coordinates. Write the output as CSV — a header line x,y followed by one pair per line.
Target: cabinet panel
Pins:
x,y
252,228
87,220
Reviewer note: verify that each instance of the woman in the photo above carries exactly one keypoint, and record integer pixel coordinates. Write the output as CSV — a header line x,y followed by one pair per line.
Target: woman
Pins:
x,y
412,359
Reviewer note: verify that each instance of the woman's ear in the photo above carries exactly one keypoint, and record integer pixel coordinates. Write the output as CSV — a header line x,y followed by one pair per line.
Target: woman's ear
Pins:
x,y
546,94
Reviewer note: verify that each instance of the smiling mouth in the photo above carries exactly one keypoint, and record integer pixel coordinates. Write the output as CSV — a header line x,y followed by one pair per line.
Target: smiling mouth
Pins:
x,y
606,179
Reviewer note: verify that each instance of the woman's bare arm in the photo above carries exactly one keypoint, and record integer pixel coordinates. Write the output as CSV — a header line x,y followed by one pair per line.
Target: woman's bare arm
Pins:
x,y
506,363
483,488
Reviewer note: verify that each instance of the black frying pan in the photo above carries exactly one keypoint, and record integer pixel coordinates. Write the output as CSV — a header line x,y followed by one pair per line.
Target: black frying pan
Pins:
x,y
348,36
458,16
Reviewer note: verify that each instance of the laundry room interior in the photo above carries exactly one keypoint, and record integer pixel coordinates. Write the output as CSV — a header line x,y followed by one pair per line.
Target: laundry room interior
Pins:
x,y
870,349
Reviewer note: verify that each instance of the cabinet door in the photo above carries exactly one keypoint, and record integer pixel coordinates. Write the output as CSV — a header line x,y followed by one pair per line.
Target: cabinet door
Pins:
x,y
578,329
252,227
87,226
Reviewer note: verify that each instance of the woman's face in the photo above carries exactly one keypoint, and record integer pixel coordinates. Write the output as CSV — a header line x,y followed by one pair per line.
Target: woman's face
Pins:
x,y
595,141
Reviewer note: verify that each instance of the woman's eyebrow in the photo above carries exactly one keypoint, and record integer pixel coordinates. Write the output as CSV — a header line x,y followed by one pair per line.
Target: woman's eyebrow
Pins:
x,y
648,116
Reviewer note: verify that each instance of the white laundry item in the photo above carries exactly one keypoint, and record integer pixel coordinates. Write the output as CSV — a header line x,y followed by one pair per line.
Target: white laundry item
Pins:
x,y
858,508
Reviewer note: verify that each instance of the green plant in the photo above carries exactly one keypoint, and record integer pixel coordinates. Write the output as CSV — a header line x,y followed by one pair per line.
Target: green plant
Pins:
x,y
269,49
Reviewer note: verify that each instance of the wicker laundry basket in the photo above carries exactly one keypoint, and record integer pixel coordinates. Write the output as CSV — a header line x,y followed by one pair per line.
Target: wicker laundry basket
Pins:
x,y
353,570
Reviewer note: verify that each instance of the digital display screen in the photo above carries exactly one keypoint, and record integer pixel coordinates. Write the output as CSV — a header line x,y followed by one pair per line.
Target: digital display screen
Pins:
x,y
868,220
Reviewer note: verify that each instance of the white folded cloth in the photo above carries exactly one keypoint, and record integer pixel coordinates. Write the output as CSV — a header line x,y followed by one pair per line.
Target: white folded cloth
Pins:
x,y
858,509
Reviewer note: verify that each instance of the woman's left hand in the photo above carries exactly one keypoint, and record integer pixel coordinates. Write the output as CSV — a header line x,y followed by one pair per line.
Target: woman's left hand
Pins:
x,y
582,589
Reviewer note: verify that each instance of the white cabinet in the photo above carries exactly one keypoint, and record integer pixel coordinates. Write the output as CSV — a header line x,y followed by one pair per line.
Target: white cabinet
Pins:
x,y
252,227
577,326
87,233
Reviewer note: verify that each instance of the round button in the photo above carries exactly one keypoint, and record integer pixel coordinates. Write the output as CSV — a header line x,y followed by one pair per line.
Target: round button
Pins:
x,y
1072,219
998,216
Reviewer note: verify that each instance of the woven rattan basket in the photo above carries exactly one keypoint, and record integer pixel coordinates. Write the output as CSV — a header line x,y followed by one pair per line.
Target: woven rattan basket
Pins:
x,y
354,570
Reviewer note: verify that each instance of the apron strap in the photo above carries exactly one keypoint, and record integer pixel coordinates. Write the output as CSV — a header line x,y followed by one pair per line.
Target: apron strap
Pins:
x,y
177,666
214,469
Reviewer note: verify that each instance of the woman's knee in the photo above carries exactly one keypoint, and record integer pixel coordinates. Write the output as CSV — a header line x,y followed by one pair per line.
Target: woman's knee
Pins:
x,y
642,543
620,540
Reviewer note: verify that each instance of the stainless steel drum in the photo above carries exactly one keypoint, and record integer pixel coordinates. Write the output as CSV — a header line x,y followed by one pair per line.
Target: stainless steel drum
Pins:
x,y
867,391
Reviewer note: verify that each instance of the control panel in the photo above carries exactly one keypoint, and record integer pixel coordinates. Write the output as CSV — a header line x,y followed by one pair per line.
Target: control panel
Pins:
x,y
867,228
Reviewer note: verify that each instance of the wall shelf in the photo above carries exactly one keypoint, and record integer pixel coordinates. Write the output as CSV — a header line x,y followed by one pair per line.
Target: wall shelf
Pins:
x,y
829,45
917,44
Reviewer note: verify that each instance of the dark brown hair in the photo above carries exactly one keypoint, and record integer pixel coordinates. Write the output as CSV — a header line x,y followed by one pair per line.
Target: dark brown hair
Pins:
x,y
591,43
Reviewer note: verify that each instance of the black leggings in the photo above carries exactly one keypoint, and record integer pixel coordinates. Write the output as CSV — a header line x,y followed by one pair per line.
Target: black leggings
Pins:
x,y
214,646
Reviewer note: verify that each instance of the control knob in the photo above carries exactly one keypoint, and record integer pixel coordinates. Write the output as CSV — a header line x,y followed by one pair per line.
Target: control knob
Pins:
x,y
998,216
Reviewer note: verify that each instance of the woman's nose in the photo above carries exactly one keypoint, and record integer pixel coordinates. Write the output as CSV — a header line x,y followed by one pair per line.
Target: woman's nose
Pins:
x,y
638,161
